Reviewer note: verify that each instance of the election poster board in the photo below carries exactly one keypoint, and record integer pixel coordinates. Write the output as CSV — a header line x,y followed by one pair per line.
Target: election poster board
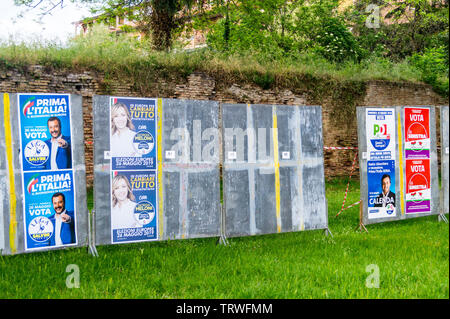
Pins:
x,y
133,149
49,205
183,190
42,173
381,152
398,163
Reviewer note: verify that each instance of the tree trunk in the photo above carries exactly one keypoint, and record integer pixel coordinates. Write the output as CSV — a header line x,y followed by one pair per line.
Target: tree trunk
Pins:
x,y
162,23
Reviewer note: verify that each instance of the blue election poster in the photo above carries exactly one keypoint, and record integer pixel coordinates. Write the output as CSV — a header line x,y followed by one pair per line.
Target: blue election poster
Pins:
x,y
381,188
49,209
132,133
45,133
133,206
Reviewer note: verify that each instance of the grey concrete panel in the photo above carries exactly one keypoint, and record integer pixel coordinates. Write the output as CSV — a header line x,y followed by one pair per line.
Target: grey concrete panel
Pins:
x,y
79,173
262,125
172,216
102,175
399,187
265,218
286,115
203,195
313,173
288,194
232,138
315,209
79,169
444,116
190,128
311,128
237,199
250,191
362,149
4,198
19,238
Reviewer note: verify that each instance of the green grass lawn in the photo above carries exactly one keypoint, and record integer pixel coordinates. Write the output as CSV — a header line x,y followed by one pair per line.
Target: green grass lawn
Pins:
x,y
412,257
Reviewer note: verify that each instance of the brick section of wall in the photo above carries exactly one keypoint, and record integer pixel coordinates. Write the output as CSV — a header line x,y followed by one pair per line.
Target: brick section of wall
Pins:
x,y
200,86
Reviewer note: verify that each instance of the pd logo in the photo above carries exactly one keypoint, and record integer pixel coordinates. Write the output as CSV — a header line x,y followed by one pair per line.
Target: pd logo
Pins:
x,y
381,137
28,104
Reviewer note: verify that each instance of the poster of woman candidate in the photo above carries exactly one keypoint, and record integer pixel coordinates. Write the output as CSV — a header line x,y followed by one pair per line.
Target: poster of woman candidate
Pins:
x,y
133,206
132,133
380,132
45,131
49,209
417,133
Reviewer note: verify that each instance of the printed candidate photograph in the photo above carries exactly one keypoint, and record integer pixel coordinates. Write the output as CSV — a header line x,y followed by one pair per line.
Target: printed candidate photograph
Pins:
x,y
381,188
133,206
45,131
49,209
133,133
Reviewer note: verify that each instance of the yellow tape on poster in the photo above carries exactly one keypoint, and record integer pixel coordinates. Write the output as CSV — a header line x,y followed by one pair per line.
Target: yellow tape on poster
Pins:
x,y
400,156
9,156
160,172
277,169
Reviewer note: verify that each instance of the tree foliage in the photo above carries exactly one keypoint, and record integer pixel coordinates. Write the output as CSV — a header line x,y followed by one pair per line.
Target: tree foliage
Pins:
x,y
413,31
156,18
276,28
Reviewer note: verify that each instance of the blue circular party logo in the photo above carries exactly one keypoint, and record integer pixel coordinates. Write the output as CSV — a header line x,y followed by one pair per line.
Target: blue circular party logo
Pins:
x,y
36,152
144,212
380,144
40,229
143,142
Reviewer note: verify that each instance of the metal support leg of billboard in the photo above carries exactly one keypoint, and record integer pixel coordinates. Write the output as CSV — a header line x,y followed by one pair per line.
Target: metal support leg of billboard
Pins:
x,y
441,216
91,231
223,238
361,225
327,230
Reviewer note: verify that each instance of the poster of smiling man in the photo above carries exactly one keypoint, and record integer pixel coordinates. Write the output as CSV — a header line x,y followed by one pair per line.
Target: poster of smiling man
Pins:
x,y
49,219
132,133
45,131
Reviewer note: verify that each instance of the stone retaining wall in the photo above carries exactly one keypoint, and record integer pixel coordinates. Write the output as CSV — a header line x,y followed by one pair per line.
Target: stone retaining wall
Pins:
x,y
338,131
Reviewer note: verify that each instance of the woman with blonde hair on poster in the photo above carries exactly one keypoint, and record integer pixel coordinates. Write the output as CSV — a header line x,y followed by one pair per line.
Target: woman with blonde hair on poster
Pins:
x,y
123,204
122,132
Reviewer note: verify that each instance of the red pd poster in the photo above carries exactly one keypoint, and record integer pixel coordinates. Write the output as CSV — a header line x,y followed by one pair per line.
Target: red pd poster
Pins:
x,y
418,186
417,132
